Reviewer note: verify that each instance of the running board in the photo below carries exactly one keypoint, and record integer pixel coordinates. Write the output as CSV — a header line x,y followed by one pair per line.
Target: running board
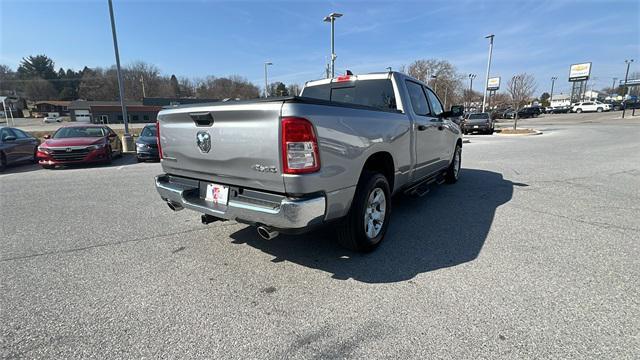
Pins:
x,y
421,188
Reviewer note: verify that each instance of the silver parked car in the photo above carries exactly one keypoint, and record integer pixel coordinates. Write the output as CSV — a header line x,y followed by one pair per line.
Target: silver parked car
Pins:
x,y
16,146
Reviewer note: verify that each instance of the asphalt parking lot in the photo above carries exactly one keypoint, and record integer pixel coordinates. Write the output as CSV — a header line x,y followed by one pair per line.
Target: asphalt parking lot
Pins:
x,y
534,253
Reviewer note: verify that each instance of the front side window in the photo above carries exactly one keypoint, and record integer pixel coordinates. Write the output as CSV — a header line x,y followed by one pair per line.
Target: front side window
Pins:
x,y
4,133
436,106
418,99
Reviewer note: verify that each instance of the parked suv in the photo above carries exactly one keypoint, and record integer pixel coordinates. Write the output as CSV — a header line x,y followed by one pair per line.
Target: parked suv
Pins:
x,y
590,106
478,122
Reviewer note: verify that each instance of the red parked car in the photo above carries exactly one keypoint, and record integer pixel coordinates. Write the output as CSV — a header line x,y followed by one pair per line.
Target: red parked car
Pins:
x,y
79,144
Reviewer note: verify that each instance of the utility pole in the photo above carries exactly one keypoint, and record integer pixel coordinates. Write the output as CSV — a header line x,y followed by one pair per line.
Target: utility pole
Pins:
x,y
613,85
626,88
486,82
266,83
128,140
471,77
331,18
435,83
553,81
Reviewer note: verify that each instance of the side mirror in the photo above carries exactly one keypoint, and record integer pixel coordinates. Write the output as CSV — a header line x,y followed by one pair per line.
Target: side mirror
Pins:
x,y
457,110
48,136
9,138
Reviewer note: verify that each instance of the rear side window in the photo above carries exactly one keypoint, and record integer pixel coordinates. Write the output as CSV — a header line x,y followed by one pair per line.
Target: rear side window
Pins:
x,y
374,93
418,98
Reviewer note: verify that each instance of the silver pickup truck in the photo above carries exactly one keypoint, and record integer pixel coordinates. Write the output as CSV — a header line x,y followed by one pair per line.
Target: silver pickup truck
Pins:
x,y
335,154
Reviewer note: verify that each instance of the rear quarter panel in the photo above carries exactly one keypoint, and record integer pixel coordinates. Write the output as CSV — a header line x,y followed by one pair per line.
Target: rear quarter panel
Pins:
x,y
346,138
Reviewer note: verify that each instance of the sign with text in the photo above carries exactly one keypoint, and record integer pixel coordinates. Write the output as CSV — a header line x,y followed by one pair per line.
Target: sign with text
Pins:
x,y
493,83
579,72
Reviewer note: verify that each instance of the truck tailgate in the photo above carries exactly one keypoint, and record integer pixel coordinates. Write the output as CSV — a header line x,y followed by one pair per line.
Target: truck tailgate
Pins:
x,y
244,143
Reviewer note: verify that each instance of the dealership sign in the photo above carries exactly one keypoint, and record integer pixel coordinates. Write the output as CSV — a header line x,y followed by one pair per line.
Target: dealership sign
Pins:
x,y
580,72
493,84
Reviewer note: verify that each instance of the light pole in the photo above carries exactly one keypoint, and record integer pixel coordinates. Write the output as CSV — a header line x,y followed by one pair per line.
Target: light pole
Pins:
x,y
471,77
486,82
128,140
332,19
626,88
266,83
553,81
435,83
613,86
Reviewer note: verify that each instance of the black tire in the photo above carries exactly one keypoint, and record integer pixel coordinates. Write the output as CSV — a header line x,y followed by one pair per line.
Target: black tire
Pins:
x,y
48,167
578,111
453,172
3,162
351,232
109,159
599,110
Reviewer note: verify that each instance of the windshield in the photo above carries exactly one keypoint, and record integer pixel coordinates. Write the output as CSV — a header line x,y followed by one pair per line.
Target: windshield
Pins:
x,y
478,116
148,131
79,131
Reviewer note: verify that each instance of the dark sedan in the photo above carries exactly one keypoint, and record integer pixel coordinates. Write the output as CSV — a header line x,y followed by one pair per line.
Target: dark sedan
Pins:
x,y
16,146
146,144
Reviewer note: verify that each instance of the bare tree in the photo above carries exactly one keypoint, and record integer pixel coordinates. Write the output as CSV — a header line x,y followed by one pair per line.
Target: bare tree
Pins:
x,y
441,75
521,88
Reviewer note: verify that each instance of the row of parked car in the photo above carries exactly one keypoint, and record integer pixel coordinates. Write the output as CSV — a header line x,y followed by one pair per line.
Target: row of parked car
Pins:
x,y
72,145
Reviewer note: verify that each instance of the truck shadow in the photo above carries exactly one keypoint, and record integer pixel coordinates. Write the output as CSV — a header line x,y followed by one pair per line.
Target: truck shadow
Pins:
x,y
447,227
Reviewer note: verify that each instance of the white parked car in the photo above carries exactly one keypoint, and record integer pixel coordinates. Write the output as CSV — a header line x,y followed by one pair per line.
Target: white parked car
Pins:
x,y
51,119
590,106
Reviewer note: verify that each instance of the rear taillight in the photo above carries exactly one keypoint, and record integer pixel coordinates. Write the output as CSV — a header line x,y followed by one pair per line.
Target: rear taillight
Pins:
x,y
299,146
158,139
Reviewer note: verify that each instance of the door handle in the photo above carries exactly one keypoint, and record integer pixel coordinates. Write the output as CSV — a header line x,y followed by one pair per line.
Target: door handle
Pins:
x,y
422,127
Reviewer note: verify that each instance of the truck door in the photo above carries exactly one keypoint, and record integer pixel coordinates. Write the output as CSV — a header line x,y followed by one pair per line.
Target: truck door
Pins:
x,y
445,135
427,135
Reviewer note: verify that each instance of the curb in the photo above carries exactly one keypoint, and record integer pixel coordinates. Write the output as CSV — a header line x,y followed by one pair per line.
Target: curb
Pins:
x,y
535,132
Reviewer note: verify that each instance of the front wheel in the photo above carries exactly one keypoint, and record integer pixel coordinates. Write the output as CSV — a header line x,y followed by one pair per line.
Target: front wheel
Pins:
x,y
579,111
453,172
599,110
366,223
3,162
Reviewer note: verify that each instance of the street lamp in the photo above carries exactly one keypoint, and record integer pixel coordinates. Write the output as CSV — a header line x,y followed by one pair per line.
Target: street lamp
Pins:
x,y
435,83
471,77
486,84
626,77
613,85
266,83
332,19
128,140
553,81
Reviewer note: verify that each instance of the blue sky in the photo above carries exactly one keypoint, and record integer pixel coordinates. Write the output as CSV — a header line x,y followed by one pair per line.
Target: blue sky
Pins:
x,y
198,38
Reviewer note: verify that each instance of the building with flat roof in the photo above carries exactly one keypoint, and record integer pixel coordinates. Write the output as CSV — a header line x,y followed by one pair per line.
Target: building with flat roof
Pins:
x,y
110,112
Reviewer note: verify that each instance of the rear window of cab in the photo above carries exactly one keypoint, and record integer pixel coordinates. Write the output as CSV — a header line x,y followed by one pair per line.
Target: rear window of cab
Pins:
x,y
375,93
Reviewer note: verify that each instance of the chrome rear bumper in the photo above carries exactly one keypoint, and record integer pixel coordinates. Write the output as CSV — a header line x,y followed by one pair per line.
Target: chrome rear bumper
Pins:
x,y
289,213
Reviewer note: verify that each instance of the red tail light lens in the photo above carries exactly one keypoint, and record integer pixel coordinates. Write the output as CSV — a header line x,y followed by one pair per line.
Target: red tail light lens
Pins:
x,y
158,139
299,146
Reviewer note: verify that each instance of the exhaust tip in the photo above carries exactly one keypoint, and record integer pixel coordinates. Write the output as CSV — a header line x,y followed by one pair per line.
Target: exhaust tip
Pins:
x,y
267,233
174,206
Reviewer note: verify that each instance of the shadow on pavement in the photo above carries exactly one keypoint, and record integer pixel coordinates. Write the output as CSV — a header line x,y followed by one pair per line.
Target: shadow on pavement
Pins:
x,y
22,167
447,227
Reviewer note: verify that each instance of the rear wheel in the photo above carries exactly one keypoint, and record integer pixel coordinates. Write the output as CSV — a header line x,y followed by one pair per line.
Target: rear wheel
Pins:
x,y
579,111
3,162
109,159
599,110
366,223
